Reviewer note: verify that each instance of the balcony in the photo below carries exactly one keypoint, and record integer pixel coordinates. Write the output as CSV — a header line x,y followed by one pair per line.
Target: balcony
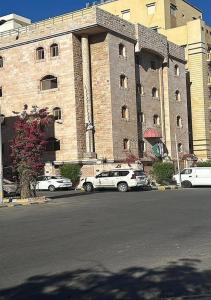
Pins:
x,y
209,57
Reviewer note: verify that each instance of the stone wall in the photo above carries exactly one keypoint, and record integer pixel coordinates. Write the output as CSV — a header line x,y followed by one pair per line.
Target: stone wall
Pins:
x,y
79,96
101,96
123,128
147,104
20,81
178,108
151,40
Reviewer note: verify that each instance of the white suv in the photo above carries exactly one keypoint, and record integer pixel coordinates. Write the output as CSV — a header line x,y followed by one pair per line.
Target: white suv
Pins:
x,y
122,179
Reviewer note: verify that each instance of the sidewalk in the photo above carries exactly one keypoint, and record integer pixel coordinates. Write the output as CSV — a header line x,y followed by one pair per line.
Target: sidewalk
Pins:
x,y
23,202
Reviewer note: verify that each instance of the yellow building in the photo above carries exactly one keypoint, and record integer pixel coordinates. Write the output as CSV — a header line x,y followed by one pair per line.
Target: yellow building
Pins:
x,y
182,23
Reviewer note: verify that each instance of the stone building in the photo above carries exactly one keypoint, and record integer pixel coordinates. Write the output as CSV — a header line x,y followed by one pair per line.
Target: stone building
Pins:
x,y
182,23
113,87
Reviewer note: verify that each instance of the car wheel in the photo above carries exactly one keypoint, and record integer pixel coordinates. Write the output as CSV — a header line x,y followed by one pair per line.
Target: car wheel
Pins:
x,y
122,187
88,187
186,184
51,188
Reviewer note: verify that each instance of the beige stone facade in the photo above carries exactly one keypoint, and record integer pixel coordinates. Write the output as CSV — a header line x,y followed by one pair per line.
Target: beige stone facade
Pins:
x,y
97,86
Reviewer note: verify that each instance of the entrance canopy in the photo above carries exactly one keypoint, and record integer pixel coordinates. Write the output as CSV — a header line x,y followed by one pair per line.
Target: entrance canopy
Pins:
x,y
152,133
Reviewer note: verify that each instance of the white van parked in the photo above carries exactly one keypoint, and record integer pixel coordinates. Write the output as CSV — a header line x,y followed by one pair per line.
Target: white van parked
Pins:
x,y
194,177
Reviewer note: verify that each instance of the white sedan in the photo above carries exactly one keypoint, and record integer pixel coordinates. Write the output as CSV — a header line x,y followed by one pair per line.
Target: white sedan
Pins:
x,y
53,183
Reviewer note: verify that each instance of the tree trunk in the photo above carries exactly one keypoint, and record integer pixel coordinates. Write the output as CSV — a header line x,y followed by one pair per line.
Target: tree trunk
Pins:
x,y
25,188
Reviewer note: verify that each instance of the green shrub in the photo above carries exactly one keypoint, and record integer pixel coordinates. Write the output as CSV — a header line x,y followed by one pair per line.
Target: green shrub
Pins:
x,y
163,172
72,172
204,164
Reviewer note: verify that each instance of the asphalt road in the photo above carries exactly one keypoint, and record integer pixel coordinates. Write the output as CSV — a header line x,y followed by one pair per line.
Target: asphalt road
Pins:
x,y
108,246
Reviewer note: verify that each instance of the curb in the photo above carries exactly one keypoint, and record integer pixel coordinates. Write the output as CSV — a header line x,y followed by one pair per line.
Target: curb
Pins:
x,y
165,188
23,202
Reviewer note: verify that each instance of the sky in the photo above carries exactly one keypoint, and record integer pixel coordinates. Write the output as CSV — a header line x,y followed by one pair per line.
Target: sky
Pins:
x,y
42,9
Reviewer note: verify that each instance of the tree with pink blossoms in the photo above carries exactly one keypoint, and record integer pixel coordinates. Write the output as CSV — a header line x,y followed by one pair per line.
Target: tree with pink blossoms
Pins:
x,y
28,146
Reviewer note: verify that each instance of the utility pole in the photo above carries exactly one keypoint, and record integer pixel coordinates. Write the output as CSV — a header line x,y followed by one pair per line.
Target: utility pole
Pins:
x,y
178,164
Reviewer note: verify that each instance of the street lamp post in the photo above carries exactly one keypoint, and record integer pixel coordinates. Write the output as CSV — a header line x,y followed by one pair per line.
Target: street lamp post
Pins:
x,y
1,162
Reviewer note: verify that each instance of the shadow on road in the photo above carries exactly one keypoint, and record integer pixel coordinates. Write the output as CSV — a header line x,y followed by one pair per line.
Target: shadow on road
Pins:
x,y
178,280
74,194
78,193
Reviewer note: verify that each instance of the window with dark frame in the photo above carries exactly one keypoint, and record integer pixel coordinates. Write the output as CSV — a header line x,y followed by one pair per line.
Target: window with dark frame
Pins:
x,y
155,92
1,62
177,95
179,122
126,144
123,81
156,120
54,50
122,50
52,144
180,148
176,70
40,53
141,117
139,89
125,114
48,82
1,92
57,113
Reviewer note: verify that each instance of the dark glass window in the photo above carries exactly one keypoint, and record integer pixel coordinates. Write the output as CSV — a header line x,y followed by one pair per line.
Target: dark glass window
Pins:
x,y
57,113
40,53
53,144
54,49
48,82
1,62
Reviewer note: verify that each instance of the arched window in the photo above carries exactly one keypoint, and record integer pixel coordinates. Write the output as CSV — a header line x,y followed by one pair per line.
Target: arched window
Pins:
x,y
123,81
125,113
155,92
40,53
179,122
156,120
140,89
141,117
54,50
180,148
48,82
126,144
177,95
1,62
122,50
57,113
52,144
176,70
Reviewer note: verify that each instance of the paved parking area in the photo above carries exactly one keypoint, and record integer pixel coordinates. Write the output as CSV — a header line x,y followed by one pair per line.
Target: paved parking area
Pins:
x,y
108,245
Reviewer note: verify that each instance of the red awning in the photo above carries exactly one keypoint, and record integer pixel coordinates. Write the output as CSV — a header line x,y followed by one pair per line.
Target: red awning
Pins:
x,y
152,133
